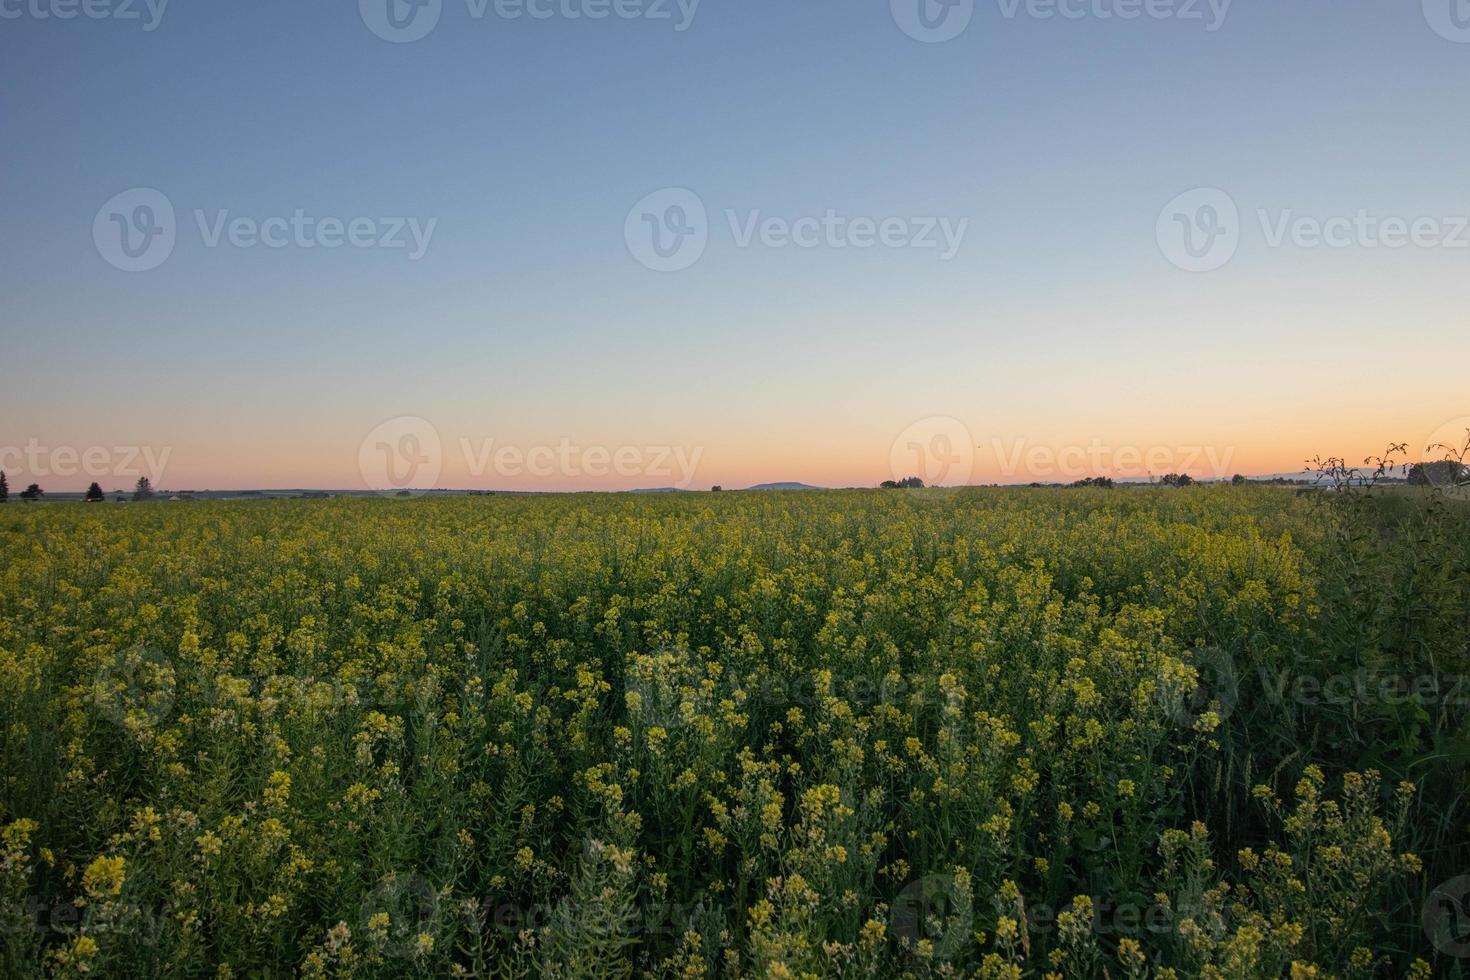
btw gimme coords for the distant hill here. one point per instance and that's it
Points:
(784, 486)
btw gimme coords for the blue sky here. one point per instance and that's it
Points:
(528, 319)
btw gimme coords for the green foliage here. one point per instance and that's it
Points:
(978, 732)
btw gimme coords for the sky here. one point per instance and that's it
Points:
(607, 244)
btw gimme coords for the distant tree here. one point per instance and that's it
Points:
(1441, 473)
(143, 490)
(1238, 480)
(94, 494)
(888, 485)
(4, 489)
(1178, 480)
(717, 489)
(1097, 482)
(32, 493)
(907, 483)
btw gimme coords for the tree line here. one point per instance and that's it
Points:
(142, 490)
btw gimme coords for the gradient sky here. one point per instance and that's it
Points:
(1059, 323)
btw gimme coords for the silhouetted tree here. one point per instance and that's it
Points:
(4, 489)
(1441, 473)
(717, 489)
(32, 493)
(143, 490)
(1178, 480)
(1238, 480)
(94, 494)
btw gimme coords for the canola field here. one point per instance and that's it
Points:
(1217, 732)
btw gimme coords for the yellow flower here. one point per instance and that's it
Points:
(17, 835)
(104, 876)
(277, 790)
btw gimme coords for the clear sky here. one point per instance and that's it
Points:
(1056, 318)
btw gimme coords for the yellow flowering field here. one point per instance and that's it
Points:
(996, 733)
